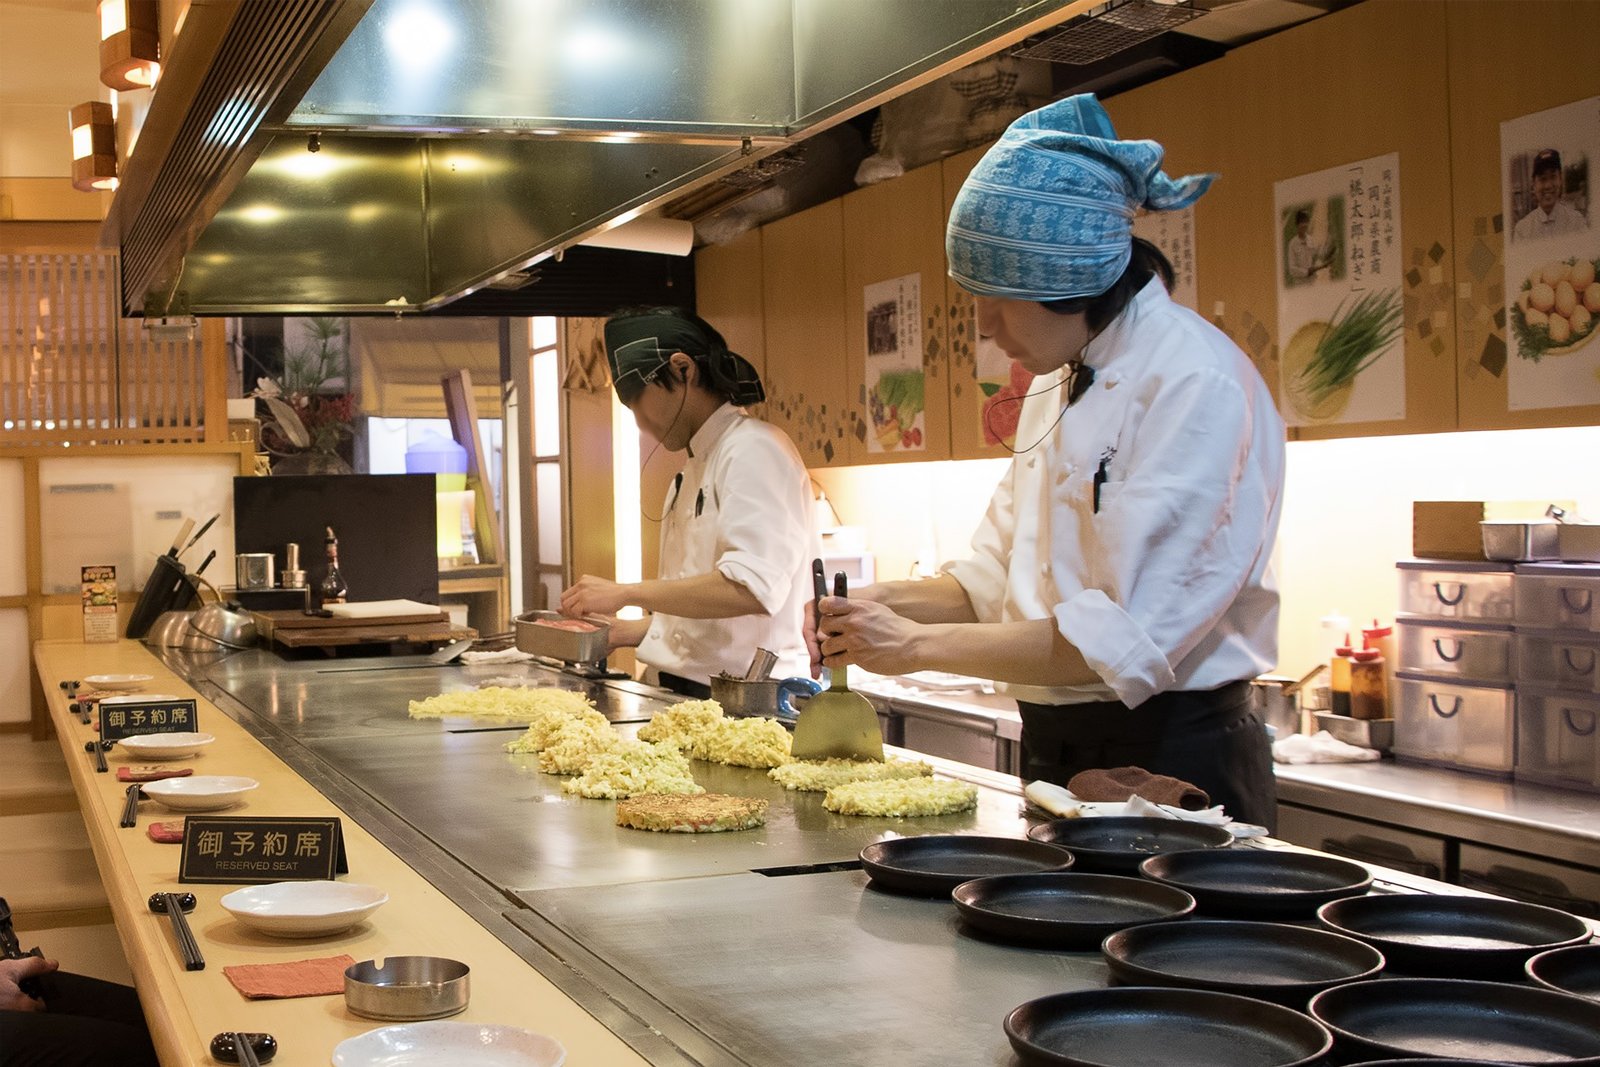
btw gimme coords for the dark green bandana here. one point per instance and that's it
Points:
(639, 344)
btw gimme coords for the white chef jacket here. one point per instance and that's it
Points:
(1562, 219)
(1168, 586)
(742, 508)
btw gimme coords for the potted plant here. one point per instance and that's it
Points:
(306, 424)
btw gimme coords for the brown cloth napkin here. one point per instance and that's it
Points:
(1120, 783)
(302, 978)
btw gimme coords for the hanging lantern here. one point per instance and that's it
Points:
(130, 41)
(94, 146)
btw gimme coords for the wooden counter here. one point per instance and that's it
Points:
(185, 1009)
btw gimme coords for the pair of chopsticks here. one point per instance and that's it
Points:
(99, 750)
(130, 807)
(188, 947)
(244, 1050)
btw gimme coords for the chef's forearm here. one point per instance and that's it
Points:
(704, 596)
(627, 633)
(935, 600)
(1028, 653)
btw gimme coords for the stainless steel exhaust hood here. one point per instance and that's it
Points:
(359, 156)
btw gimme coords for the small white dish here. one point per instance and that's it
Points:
(200, 792)
(303, 909)
(165, 746)
(118, 683)
(136, 698)
(460, 1044)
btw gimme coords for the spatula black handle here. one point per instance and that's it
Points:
(841, 588)
(819, 579)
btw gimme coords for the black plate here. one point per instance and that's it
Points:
(1117, 844)
(1136, 1027)
(1066, 910)
(1431, 1063)
(1284, 964)
(1445, 1017)
(1575, 969)
(1253, 883)
(935, 864)
(1451, 936)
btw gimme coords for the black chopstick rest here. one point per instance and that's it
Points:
(130, 807)
(228, 1047)
(173, 905)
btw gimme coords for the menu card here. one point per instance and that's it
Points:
(99, 586)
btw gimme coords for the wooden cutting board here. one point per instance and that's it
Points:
(295, 629)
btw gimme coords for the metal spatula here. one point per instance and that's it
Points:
(836, 722)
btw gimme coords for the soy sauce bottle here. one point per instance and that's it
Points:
(332, 588)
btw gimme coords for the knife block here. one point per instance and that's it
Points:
(169, 588)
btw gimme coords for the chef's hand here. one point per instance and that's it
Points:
(865, 633)
(808, 624)
(594, 596)
(13, 973)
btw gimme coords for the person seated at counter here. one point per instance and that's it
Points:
(1120, 582)
(76, 1021)
(737, 534)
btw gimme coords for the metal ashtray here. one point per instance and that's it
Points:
(406, 987)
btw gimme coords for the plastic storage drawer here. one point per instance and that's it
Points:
(1558, 738)
(1558, 596)
(1468, 591)
(1560, 659)
(1457, 650)
(1455, 723)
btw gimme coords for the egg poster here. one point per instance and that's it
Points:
(894, 377)
(1552, 253)
(1341, 323)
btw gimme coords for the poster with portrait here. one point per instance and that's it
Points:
(1341, 336)
(1552, 251)
(1173, 233)
(894, 377)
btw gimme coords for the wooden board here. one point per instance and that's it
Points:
(367, 634)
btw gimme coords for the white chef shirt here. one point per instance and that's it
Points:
(1168, 586)
(1563, 218)
(742, 508)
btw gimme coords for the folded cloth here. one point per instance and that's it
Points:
(1320, 747)
(1120, 783)
(504, 655)
(301, 978)
(1051, 798)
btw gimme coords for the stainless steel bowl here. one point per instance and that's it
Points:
(407, 987)
(227, 624)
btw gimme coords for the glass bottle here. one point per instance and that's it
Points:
(333, 587)
(1369, 697)
(1340, 677)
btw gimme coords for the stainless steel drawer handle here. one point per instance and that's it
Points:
(1588, 598)
(1438, 646)
(1570, 716)
(1461, 592)
(1433, 702)
(1566, 657)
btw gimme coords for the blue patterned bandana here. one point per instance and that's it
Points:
(1047, 214)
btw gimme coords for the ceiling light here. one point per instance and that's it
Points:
(94, 146)
(130, 43)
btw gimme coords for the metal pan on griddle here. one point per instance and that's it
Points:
(1438, 1017)
(1454, 936)
(1574, 969)
(1284, 964)
(1117, 844)
(935, 864)
(1255, 883)
(1140, 1027)
(1068, 910)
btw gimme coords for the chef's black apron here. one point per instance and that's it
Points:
(1208, 737)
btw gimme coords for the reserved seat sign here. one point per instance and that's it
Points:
(225, 849)
(130, 718)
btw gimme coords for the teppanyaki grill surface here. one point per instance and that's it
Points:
(1575, 969)
(1451, 936)
(1117, 844)
(935, 864)
(1444, 1017)
(1068, 910)
(1285, 964)
(1136, 1027)
(1253, 883)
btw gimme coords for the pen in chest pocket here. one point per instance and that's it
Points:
(1101, 473)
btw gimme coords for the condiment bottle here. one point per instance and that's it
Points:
(332, 587)
(1382, 639)
(1369, 694)
(1339, 675)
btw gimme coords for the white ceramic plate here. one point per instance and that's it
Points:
(165, 746)
(303, 909)
(118, 683)
(138, 698)
(200, 792)
(457, 1044)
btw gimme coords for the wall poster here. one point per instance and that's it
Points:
(1340, 314)
(1551, 255)
(1173, 233)
(894, 376)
